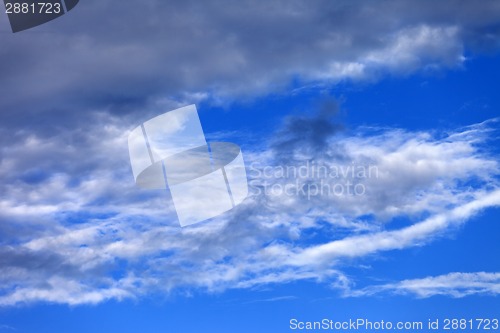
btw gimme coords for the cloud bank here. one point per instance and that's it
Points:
(112, 54)
(77, 231)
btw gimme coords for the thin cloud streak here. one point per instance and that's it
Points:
(417, 234)
(456, 285)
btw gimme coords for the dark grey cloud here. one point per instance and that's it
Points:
(309, 137)
(124, 56)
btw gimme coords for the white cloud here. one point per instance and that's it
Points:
(455, 285)
(61, 290)
(84, 234)
(418, 234)
(422, 47)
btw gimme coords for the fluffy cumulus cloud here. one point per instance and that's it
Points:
(76, 230)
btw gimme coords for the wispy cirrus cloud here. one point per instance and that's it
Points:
(455, 285)
(7, 328)
(84, 234)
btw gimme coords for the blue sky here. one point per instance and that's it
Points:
(408, 87)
